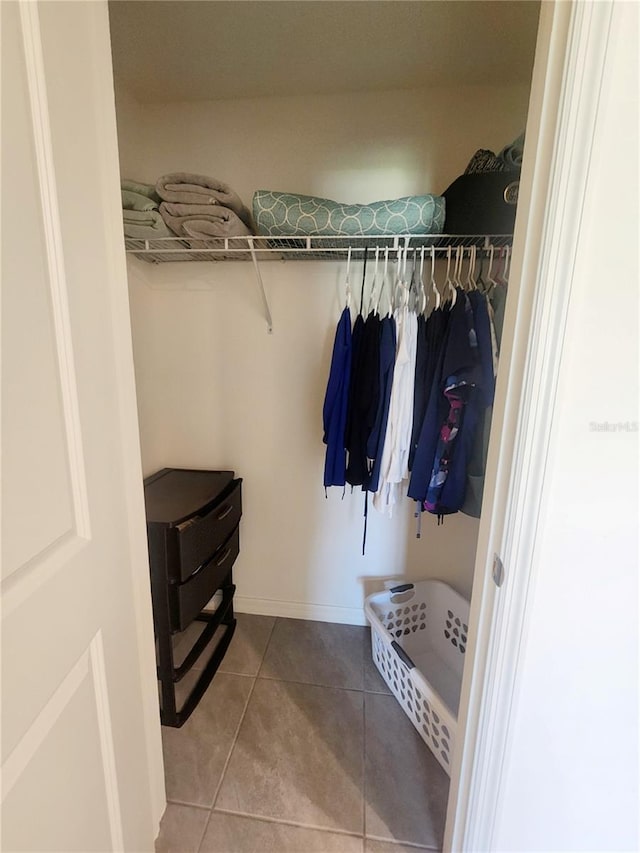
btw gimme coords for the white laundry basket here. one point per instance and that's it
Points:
(419, 638)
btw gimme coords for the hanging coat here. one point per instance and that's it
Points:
(334, 410)
(468, 392)
(363, 399)
(395, 453)
(387, 359)
(431, 336)
(477, 456)
(420, 391)
(458, 353)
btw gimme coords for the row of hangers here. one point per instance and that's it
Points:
(455, 278)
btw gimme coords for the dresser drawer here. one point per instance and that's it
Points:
(188, 599)
(201, 535)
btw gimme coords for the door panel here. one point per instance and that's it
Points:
(66, 734)
(75, 737)
(35, 471)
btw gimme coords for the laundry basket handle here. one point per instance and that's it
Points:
(404, 657)
(403, 587)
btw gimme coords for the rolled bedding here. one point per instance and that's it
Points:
(203, 221)
(186, 188)
(278, 214)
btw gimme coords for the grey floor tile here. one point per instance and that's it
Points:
(371, 846)
(228, 833)
(181, 829)
(316, 653)
(245, 652)
(195, 755)
(373, 681)
(248, 645)
(405, 788)
(298, 757)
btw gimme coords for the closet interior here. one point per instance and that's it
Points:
(233, 336)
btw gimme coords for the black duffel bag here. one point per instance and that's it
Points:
(482, 203)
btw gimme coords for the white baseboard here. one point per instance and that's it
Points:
(300, 610)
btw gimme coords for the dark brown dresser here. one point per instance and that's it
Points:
(193, 533)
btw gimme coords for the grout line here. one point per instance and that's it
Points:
(235, 737)
(233, 744)
(284, 822)
(188, 805)
(204, 832)
(310, 683)
(266, 646)
(226, 763)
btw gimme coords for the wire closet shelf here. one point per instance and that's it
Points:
(304, 248)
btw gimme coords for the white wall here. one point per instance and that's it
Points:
(130, 136)
(216, 391)
(572, 776)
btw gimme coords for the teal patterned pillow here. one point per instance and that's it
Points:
(281, 214)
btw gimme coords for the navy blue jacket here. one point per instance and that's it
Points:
(334, 410)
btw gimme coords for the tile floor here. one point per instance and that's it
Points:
(298, 747)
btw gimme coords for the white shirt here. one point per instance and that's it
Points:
(395, 452)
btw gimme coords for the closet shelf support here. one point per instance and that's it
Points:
(263, 294)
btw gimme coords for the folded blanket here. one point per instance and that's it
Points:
(187, 188)
(141, 189)
(144, 225)
(281, 214)
(136, 201)
(203, 220)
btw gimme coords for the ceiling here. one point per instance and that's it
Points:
(191, 50)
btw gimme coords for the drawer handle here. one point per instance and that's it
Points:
(225, 513)
(224, 557)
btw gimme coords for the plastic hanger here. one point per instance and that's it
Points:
(347, 282)
(499, 274)
(452, 292)
(413, 287)
(384, 280)
(457, 270)
(459, 281)
(373, 303)
(481, 284)
(434, 288)
(364, 278)
(399, 288)
(422, 304)
(471, 285)
(507, 266)
(491, 282)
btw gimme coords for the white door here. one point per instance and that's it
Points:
(80, 729)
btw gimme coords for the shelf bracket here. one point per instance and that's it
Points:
(265, 301)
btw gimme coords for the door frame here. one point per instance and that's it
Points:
(109, 181)
(571, 54)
